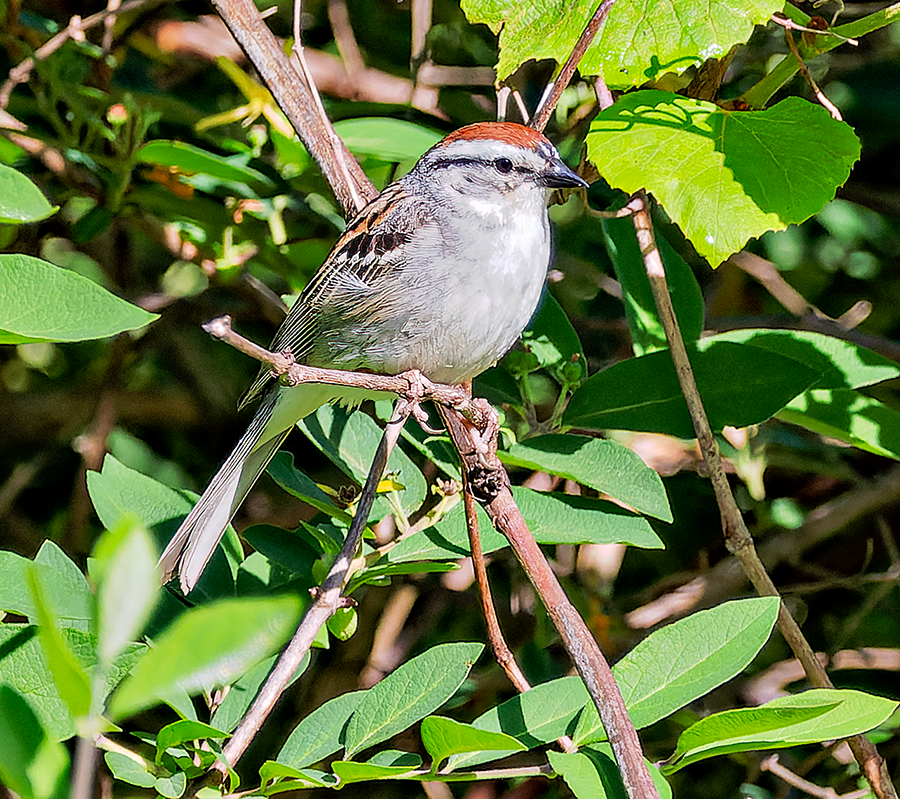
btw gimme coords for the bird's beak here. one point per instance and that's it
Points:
(558, 176)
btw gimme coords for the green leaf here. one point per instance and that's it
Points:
(208, 646)
(410, 693)
(740, 385)
(443, 737)
(605, 466)
(41, 302)
(589, 775)
(292, 778)
(647, 334)
(20, 200)
(551, 518)
(129, 770)
(683, 661)
(32, 763)
(70, 677)
(848, 416)
(320, 734)
(188, 159)
(180, 732)
(724, 176)
(65, 589)
(349, 441)
(592, 773)
(349, 772)
(552, 339)
(821, 714)
(842, 363)
(127, 588)
(638, 43)
(171, 787)
(283, 471)
(386, 138)
(117, 490)
(541, 715)
(24, 667)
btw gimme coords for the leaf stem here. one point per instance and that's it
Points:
(758, 95)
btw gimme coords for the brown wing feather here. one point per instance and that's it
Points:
(380, 228)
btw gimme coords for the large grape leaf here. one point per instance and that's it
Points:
(638, 43)
(724, 176)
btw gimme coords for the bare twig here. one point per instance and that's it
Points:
(346, 43)
(820, 95)
(771, 764)
(542, 115)
(490, 485)
(298, 59)
(84, 769)
(75, 29)
(502, 653)
(779, 19)
(412, 385)
(737, 538)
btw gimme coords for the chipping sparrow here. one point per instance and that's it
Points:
(441, 272)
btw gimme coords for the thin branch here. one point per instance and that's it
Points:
(298, 59)
(490, 485)
(789, 24)
(542, 115)
(412, 385)
(502, 653)
(820, 95)
(297, 103)
(347, 46)
(328, 598)
(771, 764)
(737, 537)
(75, 29)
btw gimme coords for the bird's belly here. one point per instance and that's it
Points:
(451, 324)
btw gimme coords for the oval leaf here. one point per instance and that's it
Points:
(410, 693)
(20, 199)
(685, 660)
(740, 385)
(443, 737)
(606, 466)
(724, 176)
(208, 646)
(386, 138)
(188, 159)
(822, 714)
(42, 302)
(842, 363)
(320, 734)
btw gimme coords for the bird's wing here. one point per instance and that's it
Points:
(371, 245)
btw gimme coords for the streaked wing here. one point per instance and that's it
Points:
(370, 246)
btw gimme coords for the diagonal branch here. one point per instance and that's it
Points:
(737, 537)
(542, 115)
(340, 169)
(490, 485)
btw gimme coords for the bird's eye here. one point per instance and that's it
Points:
(503, 165)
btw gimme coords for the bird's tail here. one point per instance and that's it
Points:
(195, 541)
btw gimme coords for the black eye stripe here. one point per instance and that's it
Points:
(443, 163)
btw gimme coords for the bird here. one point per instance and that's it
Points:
(441, 272)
